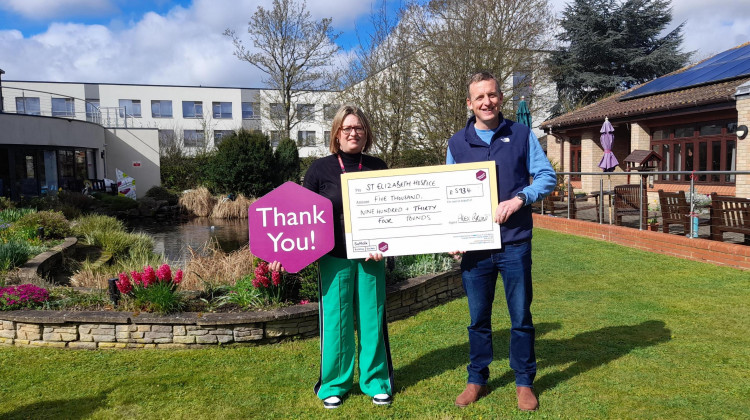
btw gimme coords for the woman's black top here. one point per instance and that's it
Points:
(324, 177)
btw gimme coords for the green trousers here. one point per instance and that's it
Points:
(352, 295)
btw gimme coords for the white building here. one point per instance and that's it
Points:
(131, 122)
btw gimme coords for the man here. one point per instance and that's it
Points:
(518, 157)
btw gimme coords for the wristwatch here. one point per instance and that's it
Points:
(521, 196)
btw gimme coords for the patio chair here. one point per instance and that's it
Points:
(628, 202)
(674, 210)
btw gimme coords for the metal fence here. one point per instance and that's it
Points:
(606, 190)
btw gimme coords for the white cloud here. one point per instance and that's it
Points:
(57, 9)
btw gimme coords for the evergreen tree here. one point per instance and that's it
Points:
(243, 163)
(611, 46)
(287, 161)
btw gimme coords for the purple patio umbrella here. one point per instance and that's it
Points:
(609, 161)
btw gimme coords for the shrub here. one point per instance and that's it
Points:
(243, 163)
(23, 296)
(287, 162)
(5, 203)
(55, 225)
(116, 202)
(153, 290)
(11, 215)
(95, 222)
(308, 283)
(181, 172)
(13, 254)
(243, 294)
(162, 194)
(408, 266)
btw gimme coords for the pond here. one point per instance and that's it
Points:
(174, 240)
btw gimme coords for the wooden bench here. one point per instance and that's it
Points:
(675, 210)
(628, 202)
(729, 214)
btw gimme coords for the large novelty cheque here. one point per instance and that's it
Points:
(291, 225)
(421, 210)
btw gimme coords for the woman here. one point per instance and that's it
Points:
(349, 288)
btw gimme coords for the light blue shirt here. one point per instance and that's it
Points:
(539, 167)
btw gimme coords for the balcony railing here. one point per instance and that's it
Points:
(36, 102)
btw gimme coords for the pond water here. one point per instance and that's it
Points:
(174, 240)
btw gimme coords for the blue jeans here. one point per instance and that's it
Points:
(479, 271)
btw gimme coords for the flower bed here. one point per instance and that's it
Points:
(111, 329)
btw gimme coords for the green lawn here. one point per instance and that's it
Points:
(621, 333)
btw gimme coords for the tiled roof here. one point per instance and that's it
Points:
(615, 109)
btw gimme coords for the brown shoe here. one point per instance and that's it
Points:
(526, 399)
(471, 394)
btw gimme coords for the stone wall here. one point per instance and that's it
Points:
(122, 330)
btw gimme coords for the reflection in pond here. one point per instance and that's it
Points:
(173, 240)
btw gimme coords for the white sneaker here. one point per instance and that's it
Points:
(332, 402)
(382, 399)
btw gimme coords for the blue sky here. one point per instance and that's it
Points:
(180, 41)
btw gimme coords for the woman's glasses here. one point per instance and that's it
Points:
(347, 130)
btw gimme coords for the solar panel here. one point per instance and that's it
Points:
(723, 66)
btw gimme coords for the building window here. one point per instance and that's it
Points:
(708, 146)
(92, 111)
(275, 138)
(194, 138)
(329, 111)
(220, 135)
(326, 137)
(305, 138)
(305, 112)
(130, 107)
(28, 106)
(192, 109)
(161, 109)
(222, 109)
(250, 110)
(63, 107)
(276, 111)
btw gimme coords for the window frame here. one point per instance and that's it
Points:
(161, 113)
(194, 106)
(222, 111)
(133, 102)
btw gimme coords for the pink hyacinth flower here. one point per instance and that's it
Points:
(124, 285)
(149, 276)
(178, 276)
(261, 269)
(137, 278)
(276, 278)
(304, 302)
(256, 282)
(164, 273)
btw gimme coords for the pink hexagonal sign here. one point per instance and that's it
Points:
(292, 225)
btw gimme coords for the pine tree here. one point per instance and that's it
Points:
(612, 46)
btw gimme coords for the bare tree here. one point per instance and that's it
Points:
(380, 79)
(415, 70)
(292, 49)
